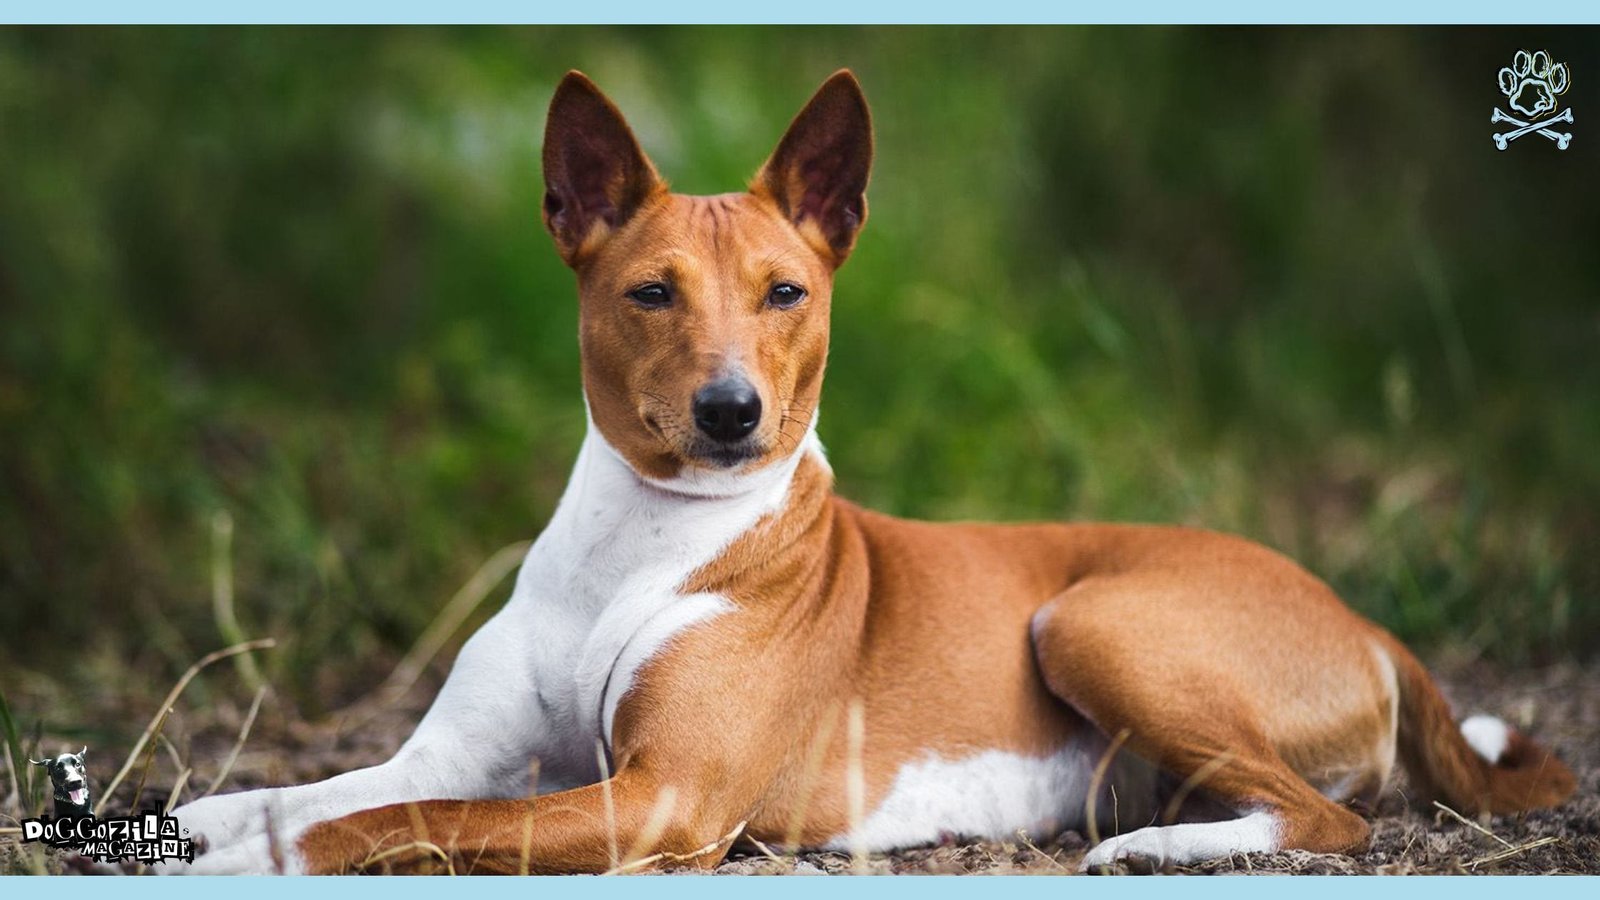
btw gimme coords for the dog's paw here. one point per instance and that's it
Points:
(215, 822)
(1154, 847)
(256, 855)
(1138, 852)
(259, 855)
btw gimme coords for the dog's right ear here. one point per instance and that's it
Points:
(595, 175)
(41, 762)
(818, 174)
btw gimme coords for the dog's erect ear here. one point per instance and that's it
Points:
(595, 175)
(818, 174)
(84, 752)
(41, 762)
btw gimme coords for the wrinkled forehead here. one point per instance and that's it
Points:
(679, 238)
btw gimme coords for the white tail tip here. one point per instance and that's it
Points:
(1487, 735)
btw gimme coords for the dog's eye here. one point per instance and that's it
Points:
(785, 295)
(651, 296)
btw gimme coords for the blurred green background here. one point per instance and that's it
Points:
(1273, 281)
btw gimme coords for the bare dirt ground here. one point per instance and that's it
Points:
(1560, 705)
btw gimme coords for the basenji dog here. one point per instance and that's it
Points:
(69, 782)
(706, 643)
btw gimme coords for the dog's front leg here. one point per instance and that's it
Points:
(476, 741)
(634, 821)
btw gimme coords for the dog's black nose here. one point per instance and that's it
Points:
(727, 409)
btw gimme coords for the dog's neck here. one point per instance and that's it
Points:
(616, 533)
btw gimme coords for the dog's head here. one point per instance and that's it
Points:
(68, 777)
(704, 320)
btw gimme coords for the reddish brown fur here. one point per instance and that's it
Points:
(641, 366)
(1201, 646)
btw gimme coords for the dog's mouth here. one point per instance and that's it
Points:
(724, 456)
(78, 795)
(703, 451)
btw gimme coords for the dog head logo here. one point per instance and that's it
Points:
(70, 781)
(1532, 85)
(148, 837)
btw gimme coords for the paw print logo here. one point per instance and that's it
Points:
(1532, 84)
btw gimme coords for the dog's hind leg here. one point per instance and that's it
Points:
(1186, 707)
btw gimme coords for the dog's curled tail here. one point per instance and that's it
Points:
(1482, 765)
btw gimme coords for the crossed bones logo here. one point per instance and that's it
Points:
(1531, 85)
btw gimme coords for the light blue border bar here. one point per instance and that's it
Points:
(689, 887)
(807, 11)
(920, 887)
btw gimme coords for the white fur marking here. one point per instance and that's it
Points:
(1487, 735)
(1191, 842)
(994, 793)
(648, 640)
(989, 795)
(1388, 742)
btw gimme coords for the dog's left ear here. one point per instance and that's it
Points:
(84, 752)
(818, 174)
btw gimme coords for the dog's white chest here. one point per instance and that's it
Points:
(599, 594)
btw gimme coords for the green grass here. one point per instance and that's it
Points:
(1269, 281)
(21, 774)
